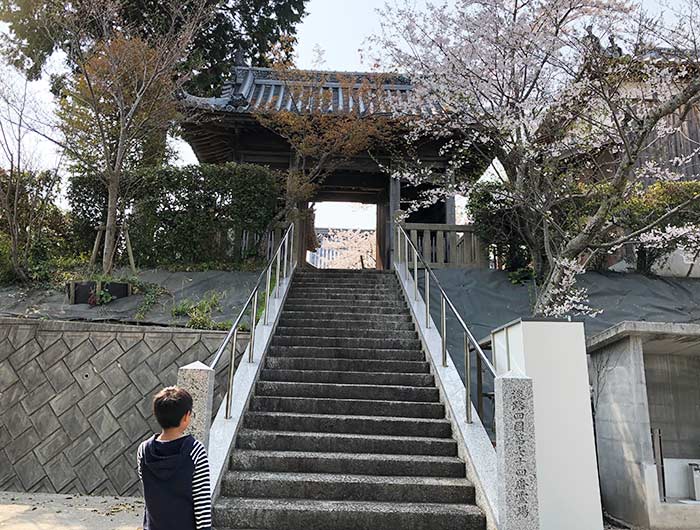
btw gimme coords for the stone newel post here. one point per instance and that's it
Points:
(198, 379)
(515, 448)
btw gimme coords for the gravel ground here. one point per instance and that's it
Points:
(43, 511)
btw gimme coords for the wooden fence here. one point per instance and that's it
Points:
(448, 246)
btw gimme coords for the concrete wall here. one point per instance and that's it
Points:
(673, 390)
(622, 428)
(75, 400)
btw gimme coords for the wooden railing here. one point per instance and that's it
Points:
(448, 246)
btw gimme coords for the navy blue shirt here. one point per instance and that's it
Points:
(175, 477)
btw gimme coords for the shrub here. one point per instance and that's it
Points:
(193, 214)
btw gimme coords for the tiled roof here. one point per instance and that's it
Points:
(257, 89)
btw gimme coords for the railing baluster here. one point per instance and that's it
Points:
(415, 274)
(443, 327)
(479, 388)
(277, 274)
(427, 298)
(468, 378)
(251, 352)
(267, 294)
(231, 368)
(405, 255)
(286, 255)
(291, 245)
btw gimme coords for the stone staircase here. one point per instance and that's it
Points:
(346, 430)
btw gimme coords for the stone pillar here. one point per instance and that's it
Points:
(515, 448)
(198, 379)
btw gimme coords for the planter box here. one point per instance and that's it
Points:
(80, 292)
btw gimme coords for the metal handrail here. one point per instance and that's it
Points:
(444, 301)
(287, 242)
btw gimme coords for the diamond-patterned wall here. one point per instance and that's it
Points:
(75, 400)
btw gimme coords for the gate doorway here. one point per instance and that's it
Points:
(346, 236)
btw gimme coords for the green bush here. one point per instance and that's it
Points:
(199, 313)
(7, 274)
(192, 214)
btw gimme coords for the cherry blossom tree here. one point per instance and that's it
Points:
(577, 126)
(355, 249)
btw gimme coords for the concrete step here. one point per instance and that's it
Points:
(362, 407)
(384, 343)
(323, 486)
(347, 463)
(313, 287)
(352, 365)
(348, 272)
(325, 312)
(330, 390)
(329, 352)
(340, 319)
(324, 304)
(348, 378)
(346, 332)
(288, 514)
(348, 424)
(345, 283)
(390, 295)
(344, 443)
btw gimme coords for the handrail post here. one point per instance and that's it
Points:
(277, 273)
(427, 298)
(443, 326)
(286, 255)
(415, 274)
(479, 388)
(267, 295)
(231, 368)
(405, 256)
(397, 247)
(468, 378)
(252, 326)
(291, 244)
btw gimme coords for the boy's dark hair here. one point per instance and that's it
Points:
(170, 405)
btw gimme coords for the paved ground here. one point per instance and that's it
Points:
(42, 511)
(39, 511)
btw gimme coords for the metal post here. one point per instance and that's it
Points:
(267, 295)
(415, 274)
(286, 255)
(427, 298)
(231, 369)
(397, 247)
(277, 277)
(443, 326)
(657, 448)
(291, 244)
(479, 387)
(468, 378)
(405, 256)
(251, 351)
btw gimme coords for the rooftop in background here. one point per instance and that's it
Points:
(254, 89)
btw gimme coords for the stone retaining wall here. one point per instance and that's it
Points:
(75, 400)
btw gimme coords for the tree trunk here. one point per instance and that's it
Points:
(111, 225)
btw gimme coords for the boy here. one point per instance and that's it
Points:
(174, 468)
